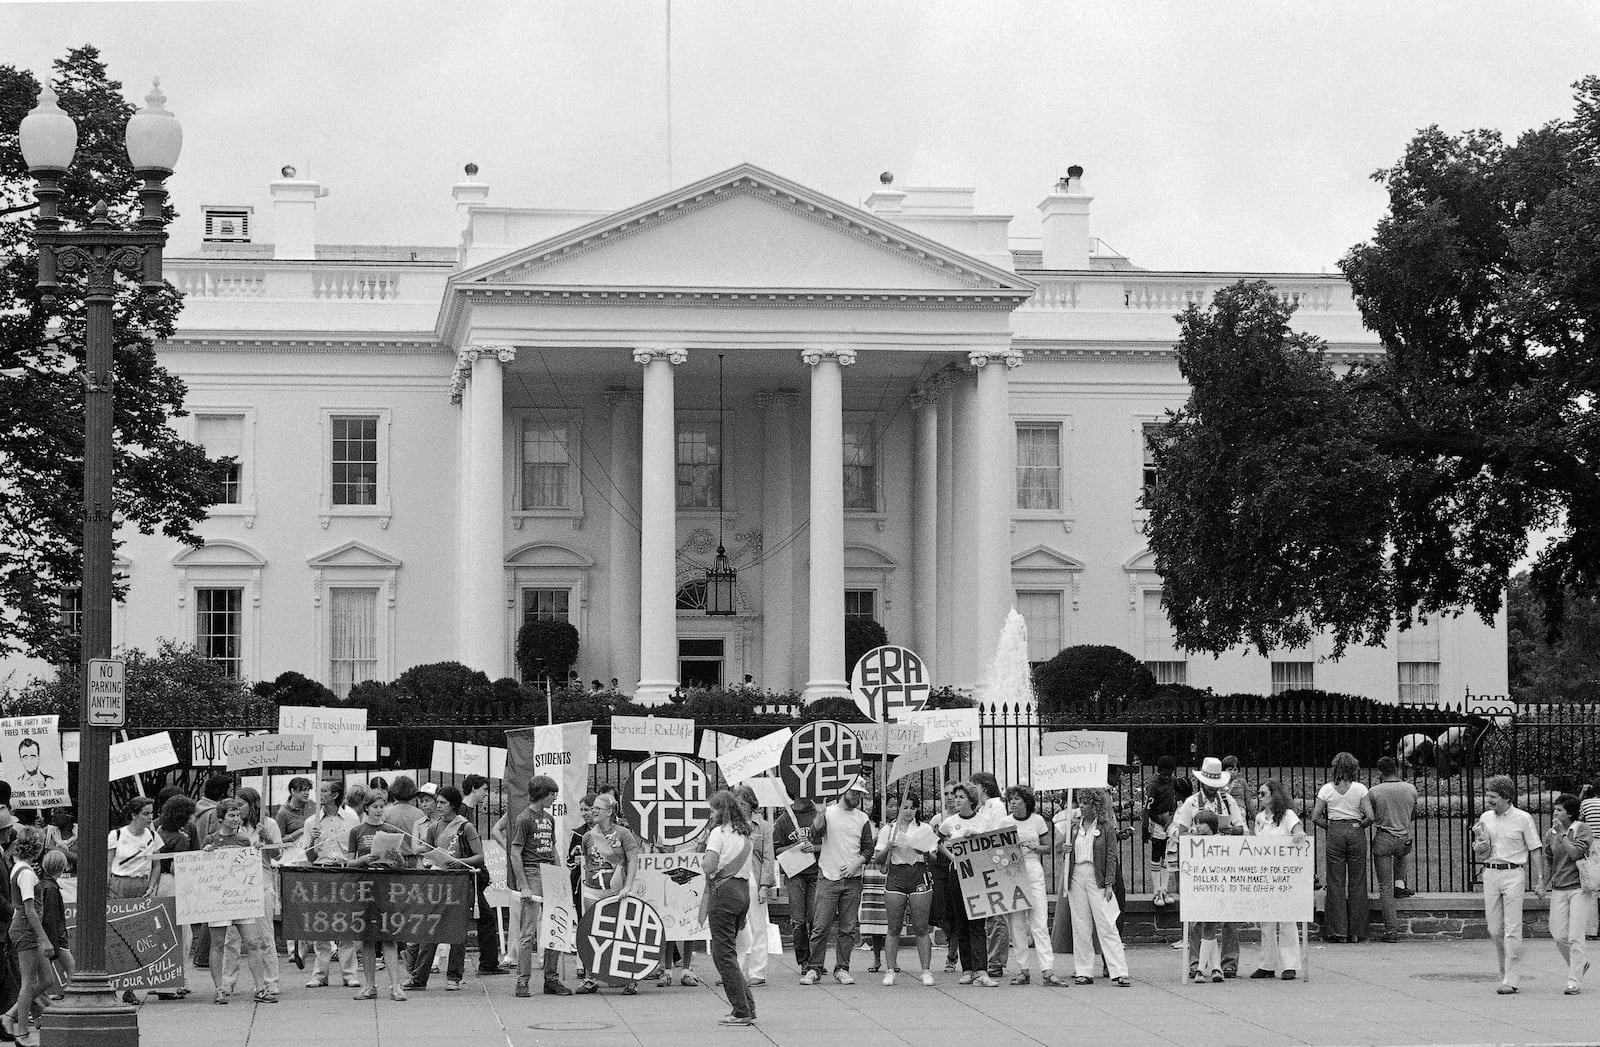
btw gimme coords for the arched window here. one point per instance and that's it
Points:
(692, 596)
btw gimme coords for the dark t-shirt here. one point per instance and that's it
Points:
(535, 832)
(361, 838)
(52, 911)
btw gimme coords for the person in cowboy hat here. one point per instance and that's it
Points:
(1211, 794)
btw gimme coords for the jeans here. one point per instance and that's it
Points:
(1391, 857)
(1570, 909)
(802, 891)
(528, 939)
(730, 903)
(1502, 911)
(232, 948)
(321, 967)
(1347, 904)
(997, 943)
(488, 935)
(837, 901)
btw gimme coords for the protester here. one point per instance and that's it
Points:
(403, 815)
(1239, 789)
(293, 812)
(1033, 834)
(763, 881)
(10, 976)
(218, 787)
(1092, 851)
(533, 848)
(1394, 806)
(362, 855)
(229, 833)
(1344, 812)
(1568, 843)
(174, 835)
(1207, 951)
(263, 835)
(946, 892)
(610, 859)
(33, 947)
(843, 836)
(997, 929)
(475, 800)
(971, 942)
(1506, 841)
(1159, 805)
(327, 836)
(456, 846)
(1211, 795)
(128, 852)
(61, 834)
(792, 832)
(575, 845)
(1280, 942)
(905, 847)
(726, 901)
(53, 913)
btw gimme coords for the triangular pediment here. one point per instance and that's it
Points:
(1044, 558)
(353, 554)
(745, 229)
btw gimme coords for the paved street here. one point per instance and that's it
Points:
(1434, 993)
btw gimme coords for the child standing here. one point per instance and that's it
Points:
(33, 949)
(1205, 824)
(360, 851)
(53, 913)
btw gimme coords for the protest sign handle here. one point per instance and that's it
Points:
(1305, 952)
(1183, 955)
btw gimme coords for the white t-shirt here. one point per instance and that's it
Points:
(994, 815)
(1265, 826)
(1030, 831)
(955, 826)
(727, 845)
(909, 845)
(133, 853)
(1513, 835)
(1346, 805)
(27, 880)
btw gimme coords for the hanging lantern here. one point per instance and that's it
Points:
(721, 579)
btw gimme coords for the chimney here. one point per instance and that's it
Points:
(887, 200)
(294, 216)
(1065, 223)
(468, 193)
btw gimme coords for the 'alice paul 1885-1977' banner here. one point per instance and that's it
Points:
(373, 905)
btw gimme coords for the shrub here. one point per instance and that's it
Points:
(860, 636)
(1089, 671)
(546, 649)
(292, 688)
(172, 687)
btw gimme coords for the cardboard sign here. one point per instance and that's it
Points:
(138, 755)
(326, 726)
(220, 886)
(672, 884)
(271, 750)
(769, 791)
(210, 748)
(888, 681)
(958, 725)
(377, 905)
(753, 758)
(993, 880)
(652, 734)
(1245, 878)
(820, 760)
(142, 950)
(929, 756)
(890, 739)
(558, 918)
(463, 758)
(714, 744)
(1111, 744)
(1086, 771)
(363, 748)
(669, 800)
(30, 759)
(620, 939)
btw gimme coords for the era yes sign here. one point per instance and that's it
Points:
(820, 760)
(670, 796)
(888, 681)
(620, 938)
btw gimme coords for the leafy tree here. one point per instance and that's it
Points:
(295, 689)
(173, 687)
(546, 649)
(1293, 498)
(860, 636)
(162, 481)
(1546, 670)
(1089, 671)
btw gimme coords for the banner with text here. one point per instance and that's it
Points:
(993, 880)
(668, 799)
(1245, 879)
(210, 748)
(1087, 771)
(929, 756)
(31, 760)
(1111, 744)
(558, 918)
(220, 886)
(560, 751)
(752, 758)
(138, 755)
(652, 734)
(142, 951)
(271, 750)
(373, 905)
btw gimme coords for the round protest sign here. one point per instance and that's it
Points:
(820, 760)
(888, 681)
(668, 799)
(620, 938)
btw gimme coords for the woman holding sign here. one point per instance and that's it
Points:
(264, 836)
(366, 849)
(1033, 833)
(230, 823)
(1280, 942)
(1093, 853)
(969, 933)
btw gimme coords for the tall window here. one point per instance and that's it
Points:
(219, 627)
(1042, 612)
(353, 638)
(355, 460)
(861, 603)
(1418, 662)
(1038, 465)
(546, 605)
(222, 436)
(1148, 443)
(699, 466)
(72, 612)
(1293, 676)
(1161, 654)
(860, 466)
(546, 465)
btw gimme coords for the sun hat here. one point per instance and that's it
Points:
(1212, 775)
(430, 788)
(858, 785)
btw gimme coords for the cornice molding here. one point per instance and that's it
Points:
(721, 297)
(300, 344)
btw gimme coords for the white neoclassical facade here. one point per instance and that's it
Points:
(925, 419)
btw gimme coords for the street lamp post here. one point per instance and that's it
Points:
(90, 1015)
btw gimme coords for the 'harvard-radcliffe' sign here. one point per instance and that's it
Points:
(820, 760)
(670, 796)
(888, 681)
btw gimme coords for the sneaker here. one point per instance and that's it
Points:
(453, 985)
(1177, 944)
(755, 981)
(522, 988)
(1262, 972)
(589, 986)
(966, 978)
(1198, 978)
(317, 983)
(485, 972)
(810, 977)
(951, 966)
(369, 993)
(888, 979)
(1216, 974)
(1570, 990)
(553, 987)
(927, 978)
(985, 981)
(1506, 990)
(842, 976)
(1289, 975)
(734, 1019)
(397, 994)
(665, 980)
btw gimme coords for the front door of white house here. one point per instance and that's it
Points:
(701, 661)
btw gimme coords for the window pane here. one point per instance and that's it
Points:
(1042, 612)
(860, 466)
(72, 612)
(549, 605)
(699, 462)
(1038, 466)
(861, 603)
(1420, 643)
(1148, 480)
(546, 466)
(355, 461)
(218, 628)
(1169, 672)
(1419, 682)
(222, 436)
(353, 638)
(1292, 676)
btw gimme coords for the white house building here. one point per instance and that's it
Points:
(924, 421)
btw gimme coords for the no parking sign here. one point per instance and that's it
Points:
(888, 681)
(820, 760)
(670, 796)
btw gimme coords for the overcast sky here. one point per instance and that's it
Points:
(1225, 136)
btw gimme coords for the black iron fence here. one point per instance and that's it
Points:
(1448, 756)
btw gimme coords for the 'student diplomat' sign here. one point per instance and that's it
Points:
(670, 797)
(993, 878)
(888, 681)
(672, 884)
(142, 951)
(820, 760)
(377, 905)
(1245, 879)
(620, 939)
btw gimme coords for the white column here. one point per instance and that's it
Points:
(825, 675)
(925, 524)
(944, 668)
(658, 539)
(623, 568)
(483, 633)
(777, 522)
(991, 440)
(964, 651)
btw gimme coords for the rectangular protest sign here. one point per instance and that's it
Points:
(561, 751)
(558, 919)
(672, 884)
(890, 739)
(755, 757)
(142, 950)
(219, 886)
(362, 748)
(210, 748)
(929, 756)
(377, 905)
(652, 734)
(993, 880)
(1111, 744)
(1087, 771)
(30, 759)
(958, 725)
(714, 743)
(464, 758)
(138, 755)
(326, 726)
(271, 750)
(1245, 879)
(770, 792)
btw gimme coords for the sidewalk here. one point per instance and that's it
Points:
(1432, 993)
